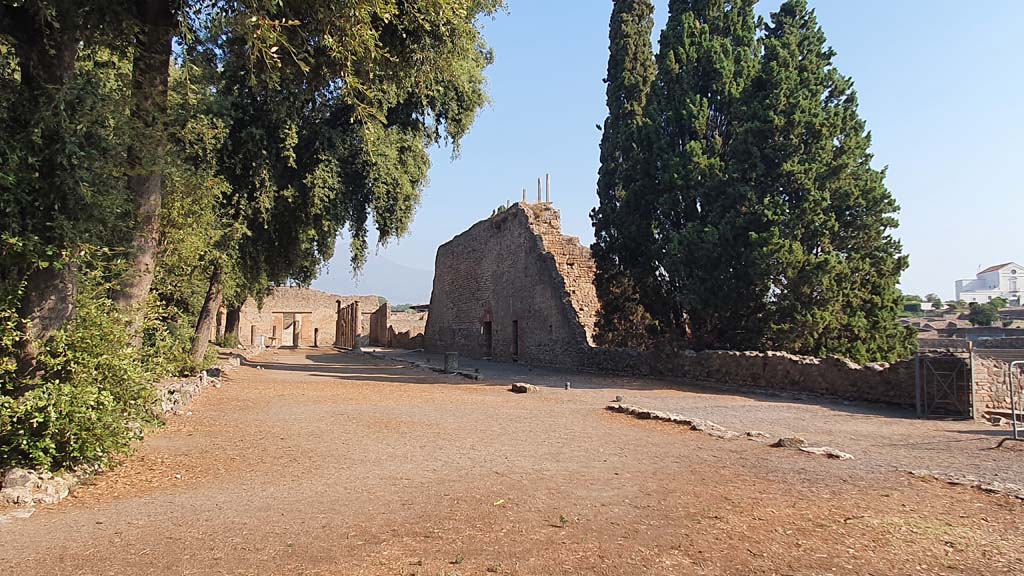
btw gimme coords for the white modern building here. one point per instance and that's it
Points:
(1002, 280)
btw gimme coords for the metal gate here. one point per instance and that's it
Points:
(945, 383)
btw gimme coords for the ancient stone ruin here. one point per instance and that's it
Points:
(298, 317)
(512, 287)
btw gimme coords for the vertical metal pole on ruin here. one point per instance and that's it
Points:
(539, 198)
(547, 188)
(524, 195)
(970, 352)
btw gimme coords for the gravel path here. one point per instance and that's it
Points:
(335, 464)
(881, 438)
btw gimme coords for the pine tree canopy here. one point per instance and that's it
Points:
(770, 229)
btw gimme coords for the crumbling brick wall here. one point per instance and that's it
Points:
(379, 321)
(405, 329)
(512, 287)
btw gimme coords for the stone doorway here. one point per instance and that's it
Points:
(289, 336)
(488, 331)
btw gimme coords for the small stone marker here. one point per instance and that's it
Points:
(451, 361)
(523, 388)
(568, 385)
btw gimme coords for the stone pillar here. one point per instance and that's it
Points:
(220, 325)
(252, 335)
(339, 326)
(306, 324)
(357, 325)
(278, 330)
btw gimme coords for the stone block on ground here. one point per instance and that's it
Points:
(826, 451)
(790, 442)
(523, 388)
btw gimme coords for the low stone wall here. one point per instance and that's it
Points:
(779, 371)
(404, 340)
(1011, 343)
(992, 384)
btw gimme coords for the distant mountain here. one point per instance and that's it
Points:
(398, 283)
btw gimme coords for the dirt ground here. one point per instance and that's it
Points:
(335, 464)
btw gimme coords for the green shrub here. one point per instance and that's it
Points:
(94, 394)
(229, 341)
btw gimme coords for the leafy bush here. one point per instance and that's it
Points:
(229, 341)
(167, 343)
(92, 398)
(983, 314)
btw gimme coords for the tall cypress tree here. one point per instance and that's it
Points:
(621, 233)
(706, 59)
(821, 217)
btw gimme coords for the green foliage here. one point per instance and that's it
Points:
(337, 130)
(621, 220)
(93, 399)
(229, 340)
(705, 62)
(61, 158)
(999, 303)
(769, 229)
(935, 301)
(286, 123)
(983, 314)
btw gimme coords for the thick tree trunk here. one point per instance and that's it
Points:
(234, 317)
(150, 75)
(208, 315)
(48, 303)
(46, 62)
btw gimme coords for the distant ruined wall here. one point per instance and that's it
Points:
(321, 307)
(512, 287)
(379, 320)
(405, 329)
(1008, 343)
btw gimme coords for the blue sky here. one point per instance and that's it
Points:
(940, 86)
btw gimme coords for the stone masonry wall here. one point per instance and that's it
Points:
(777, 371)
(405, 329)
(575, 265)
(992, 384)
(321, 307)
(515, 275)
(379, 320)
(1010, 343)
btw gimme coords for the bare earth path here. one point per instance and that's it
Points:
(330, 464)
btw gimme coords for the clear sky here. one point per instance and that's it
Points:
(940, 85)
